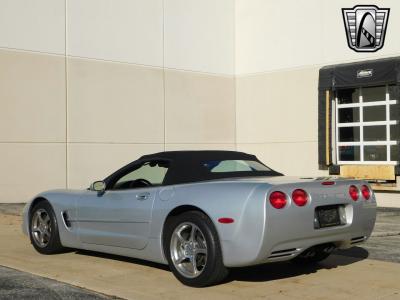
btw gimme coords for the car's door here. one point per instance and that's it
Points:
(121, 215)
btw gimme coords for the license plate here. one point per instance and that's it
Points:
(328, 216)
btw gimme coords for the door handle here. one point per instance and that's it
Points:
(142, 196)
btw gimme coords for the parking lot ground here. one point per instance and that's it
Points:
(345, 275)
(384, 243)
(21, 285)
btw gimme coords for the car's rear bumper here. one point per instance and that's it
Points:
(290, 249)
(287, 234)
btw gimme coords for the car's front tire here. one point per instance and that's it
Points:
(43, 229)
(193, 250)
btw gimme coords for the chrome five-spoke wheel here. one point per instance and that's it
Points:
(188, 250)
(192, 248)
(41, 227)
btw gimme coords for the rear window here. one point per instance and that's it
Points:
(225, 166)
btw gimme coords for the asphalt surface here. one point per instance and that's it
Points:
(15, 284)
(20, 285)
(384, 244)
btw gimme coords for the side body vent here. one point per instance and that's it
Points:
(66, 220)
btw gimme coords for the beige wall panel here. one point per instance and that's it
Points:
(32, 95)
(178, 147)
(91, 162)
(387, 199)
(114, 102)
(199, 108)
(293, 159)
(37, 25)
(119, 30)
(28, 169)
(273, 35)
(199, 35)
(277, 107)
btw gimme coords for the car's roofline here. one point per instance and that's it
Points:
(199, 155)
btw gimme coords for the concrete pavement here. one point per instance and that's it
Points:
(384, 244)
(21, 285)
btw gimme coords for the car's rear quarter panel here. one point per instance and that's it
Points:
(218, 200)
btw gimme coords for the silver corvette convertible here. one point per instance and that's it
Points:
(202, 212)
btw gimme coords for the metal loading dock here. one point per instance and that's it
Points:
(358, 121)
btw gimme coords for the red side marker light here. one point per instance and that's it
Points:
(226, 220)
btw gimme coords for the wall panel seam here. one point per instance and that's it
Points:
(153, 66)
(114, 143)
(226, 75)
(32, 142)
(163, 70)
(66, 92)
(312, 66)
(234, 78)
(11, 49)
(278, 142)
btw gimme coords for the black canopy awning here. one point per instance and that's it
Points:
(359, 74)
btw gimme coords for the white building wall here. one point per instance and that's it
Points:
(284, 35)
(280, 46)
(89, 85)
(32, 98)
(33, 25)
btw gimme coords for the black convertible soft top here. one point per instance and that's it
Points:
(200, 155)
(188, 166)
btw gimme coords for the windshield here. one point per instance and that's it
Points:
(225, 166)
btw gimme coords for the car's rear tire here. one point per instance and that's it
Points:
(43, 229)
(193, 250)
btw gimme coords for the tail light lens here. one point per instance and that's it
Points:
(300, 197)
(366, 192)
(278, 200)
(353, 192)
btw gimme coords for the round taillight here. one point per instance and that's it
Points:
(278, 200)
(365, 191)
(300, 197)
(353, 192)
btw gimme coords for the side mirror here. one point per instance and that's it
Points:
(98, 186)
